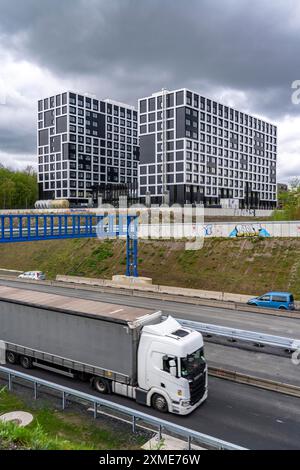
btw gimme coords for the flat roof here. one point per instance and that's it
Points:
(90, 308)
(256, 116)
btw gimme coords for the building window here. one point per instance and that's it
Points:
(179, 98)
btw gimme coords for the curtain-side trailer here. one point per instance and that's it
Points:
(125, 350)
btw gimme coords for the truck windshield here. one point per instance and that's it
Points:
(192, 364)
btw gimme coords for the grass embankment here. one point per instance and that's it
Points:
(249, 266)
(54, 430)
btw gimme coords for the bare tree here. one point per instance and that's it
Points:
(29, 170)
(295, 183)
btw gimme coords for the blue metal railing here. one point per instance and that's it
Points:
(31, 227)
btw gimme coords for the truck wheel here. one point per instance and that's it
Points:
(11, 357)
(160, 403)
(101, 385)
(282, 308)
(26, 362)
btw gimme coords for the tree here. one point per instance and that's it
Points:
(295, 183)
(29, 170)
(289, 201)
(8, 188)
(18, 189)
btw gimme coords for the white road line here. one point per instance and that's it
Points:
(117, 311)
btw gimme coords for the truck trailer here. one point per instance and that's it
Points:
(129, 351)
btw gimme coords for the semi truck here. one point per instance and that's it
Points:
(129, 351)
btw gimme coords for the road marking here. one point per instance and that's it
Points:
(117, 311)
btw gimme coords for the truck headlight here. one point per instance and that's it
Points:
(185, 403)
(179, 393)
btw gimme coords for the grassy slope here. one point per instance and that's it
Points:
(53, 429)
(244, 266)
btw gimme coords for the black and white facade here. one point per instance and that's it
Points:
(84, 142)
(200, 151)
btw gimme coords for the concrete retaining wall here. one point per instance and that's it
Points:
(252, 229)
(220, 230)
(237, 212)
(216, 212)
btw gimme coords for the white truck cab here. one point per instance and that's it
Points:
(172, 371)
(129, 351)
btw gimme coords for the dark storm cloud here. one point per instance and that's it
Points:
(14, 141)
(138, 46)
(244, 50)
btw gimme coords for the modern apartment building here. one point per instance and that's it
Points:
(197, 150)
(84, 142)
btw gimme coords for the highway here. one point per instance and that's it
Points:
(249, 417)
(252, 321)
(255, 363)
(240, 414)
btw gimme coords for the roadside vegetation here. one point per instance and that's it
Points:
(249, 265)
(18, 189)
(289, 202)
(52, 429)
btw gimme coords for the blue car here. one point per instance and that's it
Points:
(280, 300)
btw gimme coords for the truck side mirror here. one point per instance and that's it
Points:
(173, 368)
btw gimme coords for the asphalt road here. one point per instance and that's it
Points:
(251, 321)
(239, 359)
(243, 415)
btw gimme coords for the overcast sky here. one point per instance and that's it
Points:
(241, 52)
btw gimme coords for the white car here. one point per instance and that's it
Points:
(33, 275)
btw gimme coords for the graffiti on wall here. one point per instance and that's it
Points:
(244, 212)
(207, 230)
(249, 230)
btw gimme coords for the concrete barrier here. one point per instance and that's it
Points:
(236, 297)
(203, 294)
(145, 287)
(81, 280)
(259, 382)
(130, 280)
(10, 272)
(169, 290)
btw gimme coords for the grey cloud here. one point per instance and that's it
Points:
(288, 172)
(13, 141)
(127, 49)
(138, 44)
(17, 127)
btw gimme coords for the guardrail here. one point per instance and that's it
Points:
(259, 382)
(66, 392)
(257, 339)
